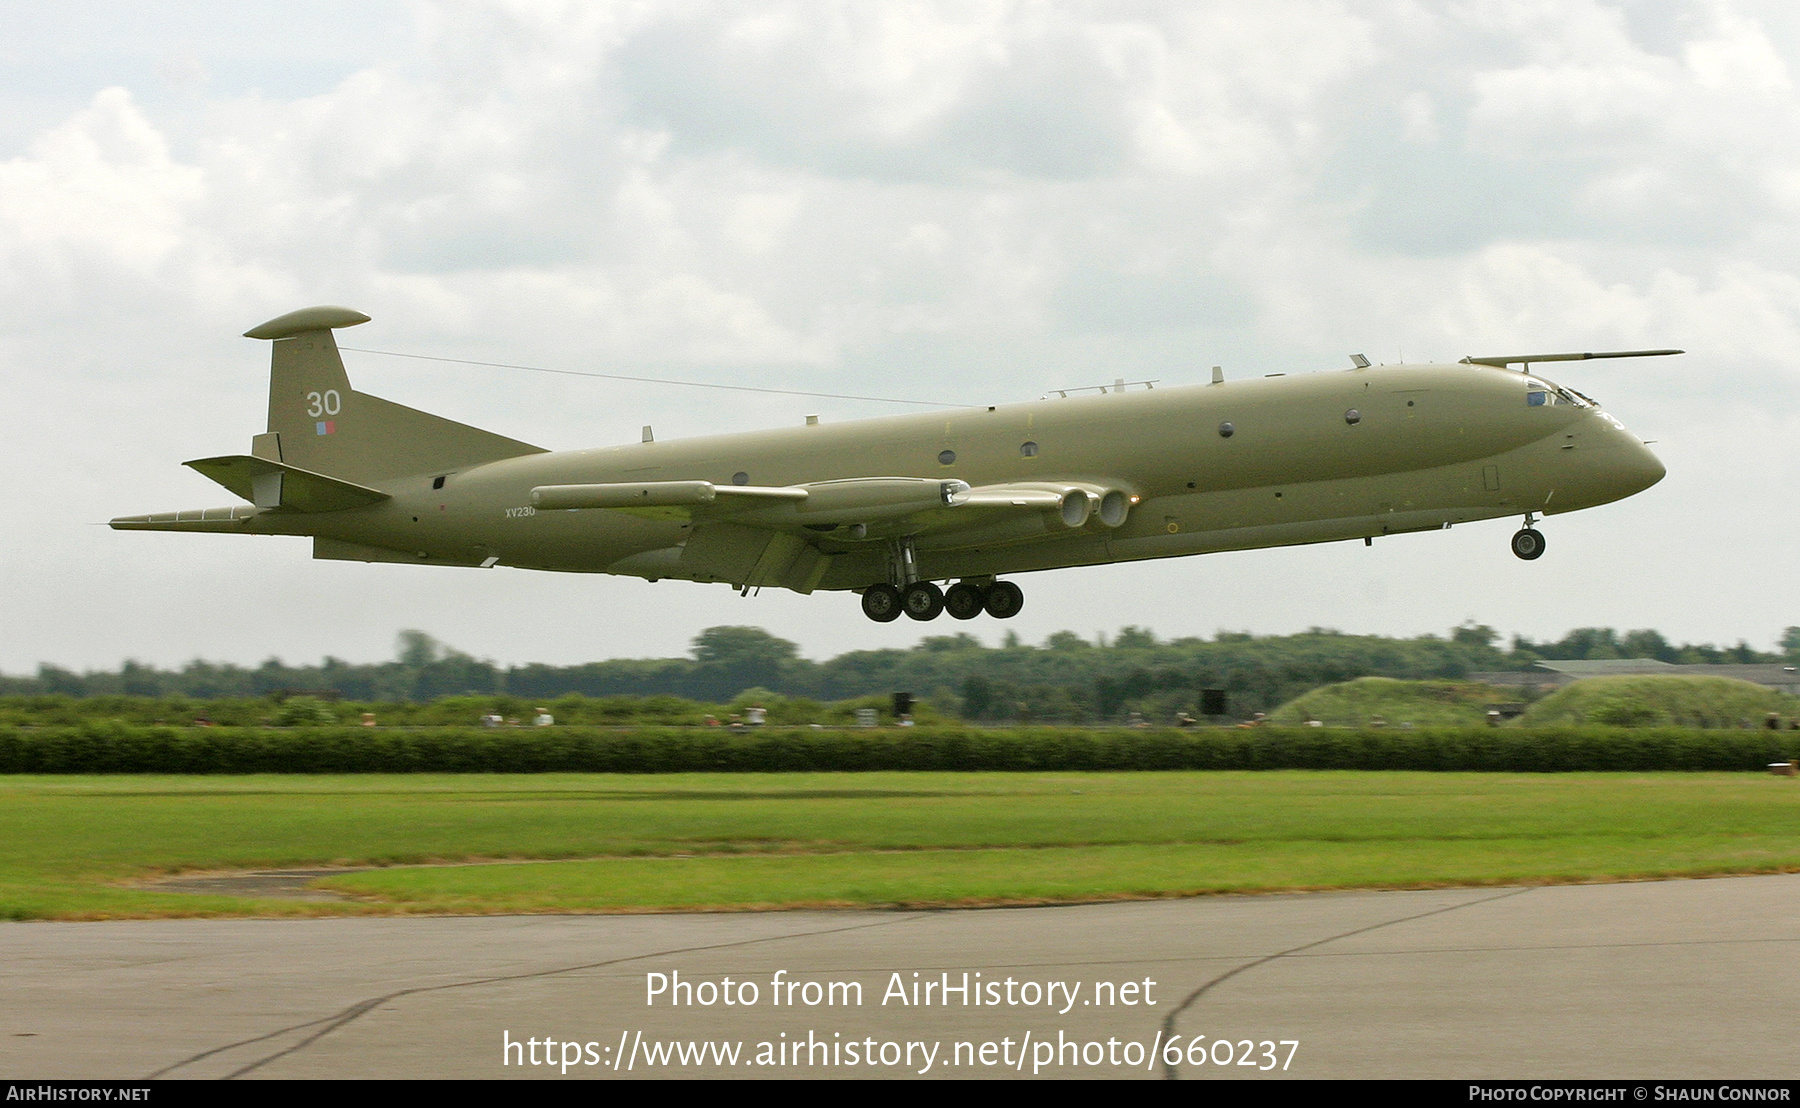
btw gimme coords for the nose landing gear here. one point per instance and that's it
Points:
(1528, 542)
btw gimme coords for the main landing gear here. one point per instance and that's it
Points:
(965, 600)
(881, 603)
(923, 600)
(1528, 542)
(903, 591)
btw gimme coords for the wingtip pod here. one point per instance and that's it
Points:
(325, 317)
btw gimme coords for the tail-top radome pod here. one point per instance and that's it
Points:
(317, 422)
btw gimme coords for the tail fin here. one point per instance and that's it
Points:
(318, 422)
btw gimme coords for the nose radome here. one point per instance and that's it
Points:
(1645, 468)
(1606, 464)
(1629, 466)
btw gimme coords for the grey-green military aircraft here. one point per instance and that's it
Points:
(890, 507)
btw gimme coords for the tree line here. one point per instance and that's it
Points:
(1065, 679)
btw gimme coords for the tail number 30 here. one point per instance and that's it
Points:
(326, 403)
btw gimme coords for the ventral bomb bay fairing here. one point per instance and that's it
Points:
(890, 508)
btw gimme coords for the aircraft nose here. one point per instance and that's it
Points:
(1641, 467)
(1608, 463)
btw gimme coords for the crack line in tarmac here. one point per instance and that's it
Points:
(356, 1011)
(1173, 1072)
(1410, 951)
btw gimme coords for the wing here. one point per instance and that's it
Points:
(788, 535)
(861, 507)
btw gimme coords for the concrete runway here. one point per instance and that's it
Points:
(1676, 979)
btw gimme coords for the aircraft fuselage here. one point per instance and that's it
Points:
(1269, 461)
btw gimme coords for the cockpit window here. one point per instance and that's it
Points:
(1542, 394)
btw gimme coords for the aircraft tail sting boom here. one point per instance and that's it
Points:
(890, 507)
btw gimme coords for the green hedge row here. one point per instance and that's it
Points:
(53, 710)
(109, 747)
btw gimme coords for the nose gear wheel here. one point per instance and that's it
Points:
(1528, 544)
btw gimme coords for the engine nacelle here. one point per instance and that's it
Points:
(1076, 506)
(1111, 507)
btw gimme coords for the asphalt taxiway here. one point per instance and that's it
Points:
(1673, 979)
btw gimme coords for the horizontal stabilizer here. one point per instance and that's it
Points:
(1502, 361)
(270, 484)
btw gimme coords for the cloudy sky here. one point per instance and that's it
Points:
(965, 202)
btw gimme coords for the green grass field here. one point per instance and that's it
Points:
(75, 847)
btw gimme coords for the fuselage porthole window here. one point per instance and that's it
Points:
(1028, 449)
(1226, 430)
(946, 457)
(740, 478)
